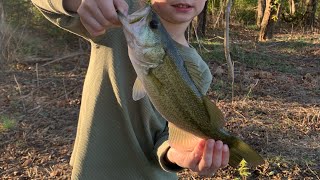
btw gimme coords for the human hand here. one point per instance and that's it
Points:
(205, 159)
(97, 15)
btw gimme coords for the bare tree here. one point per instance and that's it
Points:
(202, 21)
(197, 27)
(227, 42)
(292, 7)
(260, 10)
(219, 19)
(270, 16)
(310, 15)
(2, 32)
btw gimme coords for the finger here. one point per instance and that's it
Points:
(98, 16)
(122, 6)
(217, 156)
(92, 9)
(108, 10)
(195, 156)
(225, 156)
(89, 21)
(92, 26)
(206, 160)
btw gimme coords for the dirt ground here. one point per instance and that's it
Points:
(275, 109)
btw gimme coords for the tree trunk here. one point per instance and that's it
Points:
(2, 33)
(268, 21)
(260, 10)
(292, 7)
(227, 42)
(227, 37)
(279, 8)
(220, 16)
(202, 21)
(310, 14)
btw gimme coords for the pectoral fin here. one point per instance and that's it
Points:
(216, 116)
(138, 91)
(180, 139)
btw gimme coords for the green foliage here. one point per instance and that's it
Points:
(243, 4)
(31, 33)
(243, 169)
(213, 5)
(246, 16)
(7, 123)
(16, 11)
(214, 50)
(298, 17)
(244, 11)
(23, 15)
(261, 60)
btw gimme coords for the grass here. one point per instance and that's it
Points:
(268, 115)
(7, 123)
(213, 50)
(275, 56)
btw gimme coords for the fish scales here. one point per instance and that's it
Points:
(163, 77)
(176, 108)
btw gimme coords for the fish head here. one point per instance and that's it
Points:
(143, 37)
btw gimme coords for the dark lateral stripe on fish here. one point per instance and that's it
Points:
(171, 49)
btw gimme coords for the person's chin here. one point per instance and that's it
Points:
(180, 20)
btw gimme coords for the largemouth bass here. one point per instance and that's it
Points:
(162, 75)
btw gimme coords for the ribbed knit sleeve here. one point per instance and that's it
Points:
(54, 11)
(162, 150)
(55, 6)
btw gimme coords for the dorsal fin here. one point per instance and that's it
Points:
(200, 75)
(216, 116)
(138, 91)
(180, 139)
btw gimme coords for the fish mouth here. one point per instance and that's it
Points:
(127, 20)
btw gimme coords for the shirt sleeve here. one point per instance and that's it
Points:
(54, 11)
(161, 148)
(54, 6)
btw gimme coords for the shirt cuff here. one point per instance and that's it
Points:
(57, 5)
(162, 157)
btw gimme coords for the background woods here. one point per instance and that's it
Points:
(260, 14)
(273, 45)
(268, 12)
(2, 27)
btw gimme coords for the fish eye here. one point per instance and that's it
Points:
(154, 24)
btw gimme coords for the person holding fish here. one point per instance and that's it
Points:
(118, 137)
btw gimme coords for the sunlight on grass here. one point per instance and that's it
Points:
(262, 60)
(210, 50)
(274, 55)
(252, 27)
(214, 51)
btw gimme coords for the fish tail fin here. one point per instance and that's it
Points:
(240, 150)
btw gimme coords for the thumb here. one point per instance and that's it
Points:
(122, 6)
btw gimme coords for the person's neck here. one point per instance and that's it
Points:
(176, 31)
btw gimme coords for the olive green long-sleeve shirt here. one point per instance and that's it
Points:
(117, 138)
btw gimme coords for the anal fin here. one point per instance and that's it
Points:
(180, 139)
